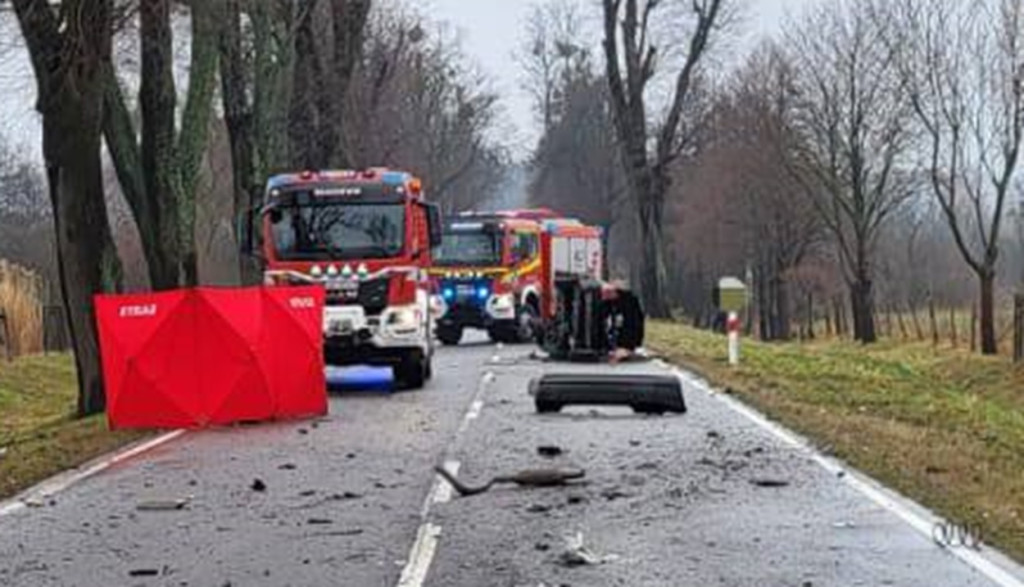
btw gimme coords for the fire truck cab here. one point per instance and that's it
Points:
(487, 275)
(367, 236)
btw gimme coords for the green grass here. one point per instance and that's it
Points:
(37, 424)
(944, 427)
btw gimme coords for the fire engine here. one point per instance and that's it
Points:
(487, 275)
(367, 236)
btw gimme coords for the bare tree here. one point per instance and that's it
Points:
(158, 174)
(576, 168)
(328, 42)
(631, 62)
(414, 102)
(963, 69)
(69, 46)
(854, 135)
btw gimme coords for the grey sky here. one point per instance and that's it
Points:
(491, 31)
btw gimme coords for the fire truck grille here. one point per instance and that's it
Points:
(372, 295)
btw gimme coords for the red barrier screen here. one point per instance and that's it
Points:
(193, 358)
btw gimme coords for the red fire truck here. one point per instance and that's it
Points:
(367, 236)
(487, 275)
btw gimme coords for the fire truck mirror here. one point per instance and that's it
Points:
(435, 225)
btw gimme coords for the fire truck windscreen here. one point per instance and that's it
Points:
(465, 246)
(305, 229)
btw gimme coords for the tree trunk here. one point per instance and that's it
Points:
(989, 344)
(652, 265)
(68, 59)
(87, 258)
(917, 324)
(783, 326)
(934, 321)
(863, 309)
(953, 337)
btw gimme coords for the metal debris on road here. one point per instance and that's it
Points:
(288, 467)
(143, 572)
(525, 478)
(549, 451)
(258, 485)
(162, 505)
(538, 508)
(577, 554)
(769, 482)
(319, 521)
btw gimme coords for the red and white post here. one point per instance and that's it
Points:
(732, 326)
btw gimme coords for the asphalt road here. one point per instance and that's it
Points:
(352, 500)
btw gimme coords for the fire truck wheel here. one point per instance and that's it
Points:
(412, 372)
(450, 335)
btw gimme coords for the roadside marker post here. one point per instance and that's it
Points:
(731, 297)
(733, 327)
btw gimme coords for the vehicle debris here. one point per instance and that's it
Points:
(288, 467)
(525, 478)
(143, 572)
(162, 505)
(613, 493)
(577, 554)
(258, 485)
(769, 482)
(549, 451)
(645, 394)
(319, 521)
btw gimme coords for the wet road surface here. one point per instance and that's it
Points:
(351, 499)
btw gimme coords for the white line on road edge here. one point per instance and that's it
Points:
(865, 485)
(63, 481)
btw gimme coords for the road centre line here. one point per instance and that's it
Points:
(424, 548)
(881, 495)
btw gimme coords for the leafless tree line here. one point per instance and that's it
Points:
(868, 152)
(136, 155)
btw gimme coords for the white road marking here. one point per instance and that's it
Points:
(866, 486)
(421, 556)
(442, 492)
(63, 481)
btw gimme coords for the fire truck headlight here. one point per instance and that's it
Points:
(402, 321)
(503, 302)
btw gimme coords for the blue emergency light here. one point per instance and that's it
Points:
(483, 293)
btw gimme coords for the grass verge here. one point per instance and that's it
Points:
(37, 427)
(944, 428)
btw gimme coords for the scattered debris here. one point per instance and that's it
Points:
(287, 467)
(350, 455)
(33, 502)
(258, 485)
(549, 451)
(769, 482)
(526, 478)
(307, 493)
(143, 572)
(634, 442)
(319, 521)
(714, 435)
(577, 554)
(753, 451)
(648, 466)
(538, 508)
(349, 532)
(844, 525)
(303, 431)
(348, 495)
(162, 505)
(542, 547)
(613, 493)
(577, 499)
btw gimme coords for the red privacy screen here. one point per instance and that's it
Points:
(193, 358)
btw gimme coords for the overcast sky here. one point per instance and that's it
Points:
(491, 32)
